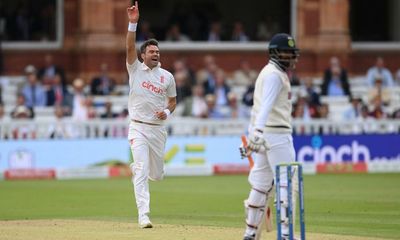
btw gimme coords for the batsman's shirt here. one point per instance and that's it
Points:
(272, 107)
(149, 90)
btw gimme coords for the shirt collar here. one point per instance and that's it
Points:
(145, 67)
(276, 64)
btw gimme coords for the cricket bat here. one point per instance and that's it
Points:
(249, 157)
(268, 213)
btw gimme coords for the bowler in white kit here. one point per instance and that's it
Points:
(270, 132)
(152, 98)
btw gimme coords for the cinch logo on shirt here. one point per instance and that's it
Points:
(151, 87)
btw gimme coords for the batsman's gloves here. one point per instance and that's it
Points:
(257, 141)
(243, 151)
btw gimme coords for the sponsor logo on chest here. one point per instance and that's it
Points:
(153, 88)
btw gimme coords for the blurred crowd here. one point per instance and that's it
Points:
(208, 92)
(26, 20)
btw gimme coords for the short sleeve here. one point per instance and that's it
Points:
(171, 90)
(132, 67)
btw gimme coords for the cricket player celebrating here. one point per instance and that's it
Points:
(270, 132)
(152, 98)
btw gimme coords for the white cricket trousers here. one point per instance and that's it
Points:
(263, 172)
(281, 151)
(147, 145)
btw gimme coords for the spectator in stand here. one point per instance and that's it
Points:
(397, 78)
(245, 75)
(57, 94)
(214, 35)
(22, 23)
(182, 83)
(3, 118)
(195, 106)
(1, 111)
(49, 71)
(213, 110)
(396, 114)
(379, 91)
(303, 109)
(379, 69)
(59, 129)
(354, 111)
(108, 112)
(236, 110)
(248, 96)
(378, 109)
(323, 111)
(263, 33)
(22, 109)
(22, 112)
(124, 114)
(310, 92)
(144, 32)
(174, 34)
(33, 91)
(238, 33)
(266, 29)
(220, 90)
(207, 73)
(102, 84)
(367, 122)
(80, 110)
(181, 66)
(299, 110)
(335, 82)
(364, 113)
(92, 113)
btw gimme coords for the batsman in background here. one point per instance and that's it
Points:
(152, 98)
(270, 132)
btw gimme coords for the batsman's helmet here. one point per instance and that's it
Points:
(283, 51)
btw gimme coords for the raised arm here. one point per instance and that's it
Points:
(133, 16)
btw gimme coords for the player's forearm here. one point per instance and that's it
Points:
(131, 54)
(171, 105)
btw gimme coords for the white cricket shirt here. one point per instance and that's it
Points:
(272, 107)
(149, 90)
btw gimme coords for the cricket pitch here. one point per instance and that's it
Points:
(99, 230)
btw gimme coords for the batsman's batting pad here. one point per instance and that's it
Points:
(255, 206)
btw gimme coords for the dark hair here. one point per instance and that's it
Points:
(148, 43)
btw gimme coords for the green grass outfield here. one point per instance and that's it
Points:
(357, 205)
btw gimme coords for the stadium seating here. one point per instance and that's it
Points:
(44, 116)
